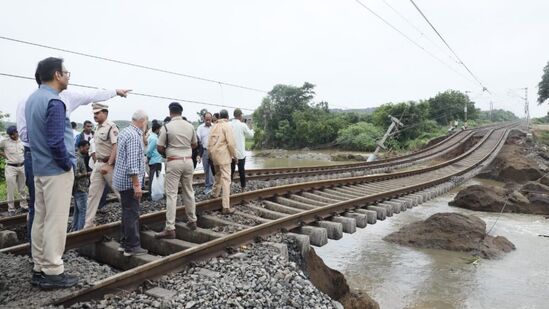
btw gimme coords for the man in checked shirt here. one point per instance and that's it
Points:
(128, 174)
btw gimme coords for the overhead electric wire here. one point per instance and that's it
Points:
(133, 64)
(409, 22)
(450, 48)
(138, 93)
(410, 39)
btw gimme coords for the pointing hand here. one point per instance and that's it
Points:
(123, 92)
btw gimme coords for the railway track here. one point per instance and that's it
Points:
(439, 149)
(318, 209)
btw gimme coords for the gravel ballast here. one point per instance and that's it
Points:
(258, 276)
(16, 290)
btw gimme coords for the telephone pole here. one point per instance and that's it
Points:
(526, 108)
(491, 109)
(395, 123)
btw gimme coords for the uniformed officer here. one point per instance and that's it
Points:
(12, 150)
(105, 139)
(176, 141)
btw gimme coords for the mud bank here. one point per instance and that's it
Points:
(332, 282)
(530, 198)
(455, 232)
(521, 168)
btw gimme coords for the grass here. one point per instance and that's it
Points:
(248, 143)
(3, 191)
(541, 136)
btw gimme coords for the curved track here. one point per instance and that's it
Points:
(354, 201)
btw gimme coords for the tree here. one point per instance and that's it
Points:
(275, 115)
(449, 105)
(359, 136)
(412, 114)
(2, 124)
(543, 86)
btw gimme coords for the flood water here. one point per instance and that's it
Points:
(293, 160)
(404, 277)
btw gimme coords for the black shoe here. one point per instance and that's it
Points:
(191, 226)
(61, 281)
(37, 277)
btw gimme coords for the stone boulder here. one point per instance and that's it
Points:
(455, 232)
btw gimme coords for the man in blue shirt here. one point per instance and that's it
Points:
(52, 147)
(153, 156)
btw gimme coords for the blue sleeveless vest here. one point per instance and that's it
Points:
(35, 114)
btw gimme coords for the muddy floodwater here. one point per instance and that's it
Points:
(296, 158)
(404, 277)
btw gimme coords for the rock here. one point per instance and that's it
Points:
(452, 231)
(492, 199)
(544, 180)
(160, 293)
(8, 239)
(512, 165)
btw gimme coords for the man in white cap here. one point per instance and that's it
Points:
(105, 138)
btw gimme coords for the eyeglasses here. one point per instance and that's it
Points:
(67, 73)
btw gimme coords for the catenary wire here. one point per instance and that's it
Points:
(138, 93)
(133, 64)
(220, 83)
(409, 22)
(450, 48)
(411, 40)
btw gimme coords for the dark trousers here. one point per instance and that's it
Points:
(210, 162)
(130, 238)
(154, 170)
(29, 175)
(241, 171)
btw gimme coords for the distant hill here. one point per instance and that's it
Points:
(367, 110)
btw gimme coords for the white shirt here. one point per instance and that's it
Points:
(240, 132)
(91, 151)
(75, 133)
(203, 132)
(72, 100)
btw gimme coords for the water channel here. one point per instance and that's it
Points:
(404, 277)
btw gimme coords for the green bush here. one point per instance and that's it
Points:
(359, 136)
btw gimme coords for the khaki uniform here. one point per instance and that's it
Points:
(221, 148)
(14, 171)
(105, 137)
(177, 136)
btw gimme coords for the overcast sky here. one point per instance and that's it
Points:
(355, 60)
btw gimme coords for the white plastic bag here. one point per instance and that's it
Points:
(157, 187)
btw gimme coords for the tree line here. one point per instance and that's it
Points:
(288, 117)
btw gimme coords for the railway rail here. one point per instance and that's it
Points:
(328, 206)
(353, 169)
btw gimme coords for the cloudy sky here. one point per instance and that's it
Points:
(355, 60)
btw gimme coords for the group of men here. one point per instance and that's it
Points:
(55, 161)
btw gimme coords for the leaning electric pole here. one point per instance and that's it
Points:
(395, 123)
(526, 108)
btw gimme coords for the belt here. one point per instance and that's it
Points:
(104, 160)
(178, 158)
(15, 164)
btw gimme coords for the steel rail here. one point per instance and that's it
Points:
(251, 173)
(177, 260)
(92, 235)
(267, 174)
